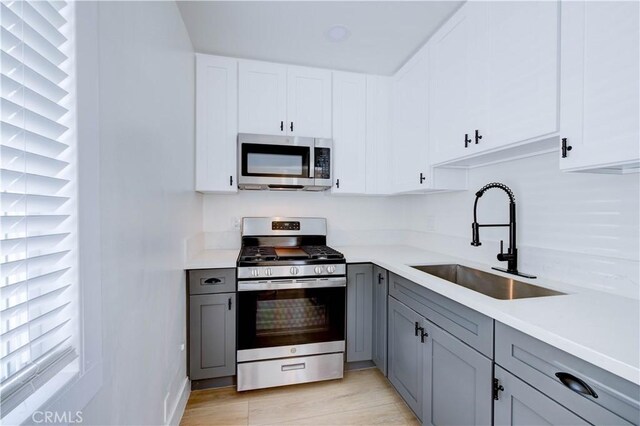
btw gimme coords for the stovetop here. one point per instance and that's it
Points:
(253, 255)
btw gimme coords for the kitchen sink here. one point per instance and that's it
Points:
(488, 284)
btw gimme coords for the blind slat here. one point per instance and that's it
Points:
(18, 138)
(21, 116)
(32, 16)
(50, 13)
(16, 92)
(34, 80)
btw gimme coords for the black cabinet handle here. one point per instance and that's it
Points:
(380, 279)
(213, 281)
(291, 127)
(422, 178)
(230, 303)
(230, 180)
(282, 126)
(423, 335)
(565, 148)
(575, 384)
(337, 183)
(417, 328)
(467, 141)
(478, 136)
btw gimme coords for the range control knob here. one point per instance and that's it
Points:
(331, 269)
(317, 270)
(255, 272)
(268, 272)
(294, 270)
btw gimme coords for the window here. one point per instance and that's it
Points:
(39, 294)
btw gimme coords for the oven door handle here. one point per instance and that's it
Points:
(289, 284)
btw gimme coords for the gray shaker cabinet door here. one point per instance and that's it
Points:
(405, 354)
(359, 312)
(212, 332)
(457, 381)
(521, 404)
(380, 293)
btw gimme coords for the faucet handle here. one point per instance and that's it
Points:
(501, 247)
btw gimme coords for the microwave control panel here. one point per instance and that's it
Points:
(323, 163)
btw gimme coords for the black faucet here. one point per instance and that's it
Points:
(511, 256)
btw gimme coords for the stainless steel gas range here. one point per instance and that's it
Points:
(291, 303)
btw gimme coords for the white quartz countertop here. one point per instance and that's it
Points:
(601, 328)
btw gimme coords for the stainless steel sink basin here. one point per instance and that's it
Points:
(488, 284)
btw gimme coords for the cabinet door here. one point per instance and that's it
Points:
(452, 368)
(359, 312)
(380, 294)
(452, 82)
(349, 133)
(599, 113)
(212, 336)
(521, 404)
(308, 102)
(405, 354)
(410, 125)
(216, 123)
(262, 98)
(522, 80)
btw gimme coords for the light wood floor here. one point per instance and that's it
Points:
(363, 397)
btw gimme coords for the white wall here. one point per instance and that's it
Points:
(351, 220)
(148, 207)
(579, 228)
(575, 227)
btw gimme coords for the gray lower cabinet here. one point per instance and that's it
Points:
(594, 394)
(359, 311)
(521, 404)
(405, 362)
(380, 293)
(457, 381)
(212, 331)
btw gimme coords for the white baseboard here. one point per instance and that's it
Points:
(180, 404)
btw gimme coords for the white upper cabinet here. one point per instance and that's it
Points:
(308, 102)
(522, 77)
(216, 123)
(453, 80)
(263, 98)
(494, 82)
(278, 99)
(600, 92)
(349, 133)
(378, 150)
(410, 125)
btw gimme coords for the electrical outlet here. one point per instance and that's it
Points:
(236, 222)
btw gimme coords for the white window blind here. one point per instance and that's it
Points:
(38, 202)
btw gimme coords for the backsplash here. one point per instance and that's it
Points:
(574, 227)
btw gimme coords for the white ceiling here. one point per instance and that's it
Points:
(384, 34)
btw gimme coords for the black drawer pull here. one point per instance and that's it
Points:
(213, 281)
(575, 384)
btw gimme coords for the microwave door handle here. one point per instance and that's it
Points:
(312, 159)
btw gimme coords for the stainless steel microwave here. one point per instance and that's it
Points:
(284, 163)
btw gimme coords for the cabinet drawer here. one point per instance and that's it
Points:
(537, 363)
(208, 281)
(470, 326)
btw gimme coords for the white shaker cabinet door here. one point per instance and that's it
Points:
(349, 133)
(308, 102)
(263, 98)
(522, 79)
(216, 123)
(599, 113)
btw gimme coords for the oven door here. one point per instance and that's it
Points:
(275, 162)
(294, 321)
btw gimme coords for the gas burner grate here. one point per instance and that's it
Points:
(322, 252)
(258, 253)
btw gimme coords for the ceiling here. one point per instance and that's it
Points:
(383, 34)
